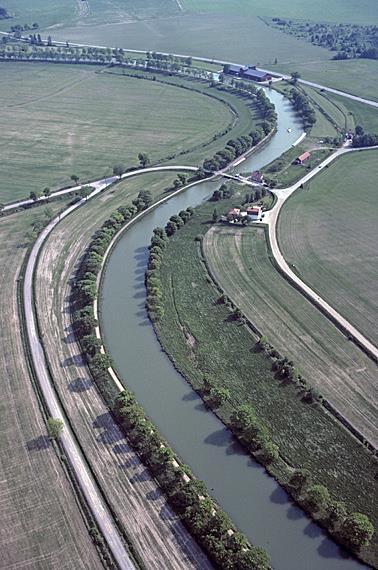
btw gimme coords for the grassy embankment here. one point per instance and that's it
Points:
(41, 524)
(241, 262)
(328, 232)
(307, 436)
(67, 135)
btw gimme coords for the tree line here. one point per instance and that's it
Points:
(303, 107)
(244, 143)
(211, 527)
(347, 40)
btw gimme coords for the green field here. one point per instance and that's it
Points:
(286, 173)
(357, 113)
(329, 233)
(356, 76)
(41, 524)
(307, 436)
(353, 11)
(241, 263)
(62, 120)
(84, 11)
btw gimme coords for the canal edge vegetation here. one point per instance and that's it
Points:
(211, 527)
(332, 514)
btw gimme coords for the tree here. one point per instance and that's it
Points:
(85, 192)
(219, 396)
(294, 77)
(143, 159)
(34, 196)
(54, 427)
(336, 512)
(119, 169)
(357, 530)
(75, 178)
(47, 192)
(254, 558)
(215, 216)
(359, 130)
(300, 478)
(317, 497)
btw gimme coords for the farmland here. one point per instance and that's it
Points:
(333, 249)
(42, 526)
(336, 10)
(307, 436)
(342, 373)
(116, 466)
(46, 108)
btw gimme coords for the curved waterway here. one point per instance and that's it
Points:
(259, 507)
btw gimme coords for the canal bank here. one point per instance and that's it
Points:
(255, 502)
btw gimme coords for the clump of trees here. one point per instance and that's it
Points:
(159, 241)
(302, 105)
(211, 527)
(253, 435)
(347, 40)
(353, 529)
(286, 371)
(85, 290)
(365, 139)
(237, 147)
(224, 192)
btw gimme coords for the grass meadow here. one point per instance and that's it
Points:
(58, 120)
(41, 524)
(307, 436)
(354, 11)
(240, 260)
(328, 231)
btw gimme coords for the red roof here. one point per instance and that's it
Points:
(304, 156)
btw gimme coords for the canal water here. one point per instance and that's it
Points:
(257, 505)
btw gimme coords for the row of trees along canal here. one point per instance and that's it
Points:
(212, 528)
(352, 529)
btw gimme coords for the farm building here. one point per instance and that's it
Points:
(247, 72)
(257, 176)
(256, 74)
(233, 214)
(302, 158)
(235, 69)
(254, 213)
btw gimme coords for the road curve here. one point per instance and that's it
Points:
(271, 219)
(87, 484)
(108, 180)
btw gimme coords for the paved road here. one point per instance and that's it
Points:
(220, 62)
(89, 487)
(271, 218)
(105, 181)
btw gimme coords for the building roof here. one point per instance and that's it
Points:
(254, 210)
(237, 68)
(252, 72)
(257, 175)
(303, 156)
(234, 211)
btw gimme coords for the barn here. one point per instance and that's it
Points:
(256, 74)
(302, 158)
